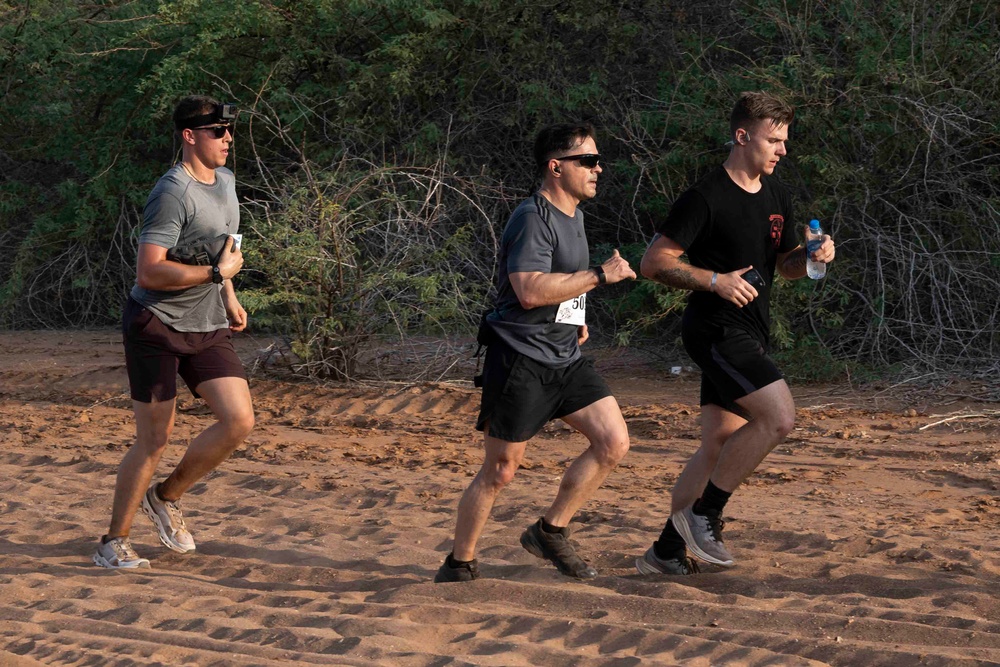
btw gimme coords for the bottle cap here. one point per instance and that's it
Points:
(814, 224)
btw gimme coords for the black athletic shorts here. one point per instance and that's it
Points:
(520, 394)
(155, 354)
(733, 361)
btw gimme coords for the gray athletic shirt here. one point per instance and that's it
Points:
(180, 211)
(538, 237)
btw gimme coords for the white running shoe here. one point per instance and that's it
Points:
(169, 521)
(118, 554)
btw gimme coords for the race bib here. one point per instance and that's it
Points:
(573, 311)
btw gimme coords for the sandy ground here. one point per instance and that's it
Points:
(868, 538)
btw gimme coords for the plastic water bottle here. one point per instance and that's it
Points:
(814, 239)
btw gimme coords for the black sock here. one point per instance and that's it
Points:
(454, 562)
(671, 544)
(156, 490)
(713, 499)
(549, 528)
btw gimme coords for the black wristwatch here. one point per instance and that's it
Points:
(602, 278)
(217, 275)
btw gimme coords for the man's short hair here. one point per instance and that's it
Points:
(554, 140)
(754, 106)
(191, 106)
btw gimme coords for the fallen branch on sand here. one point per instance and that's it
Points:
(990, 413)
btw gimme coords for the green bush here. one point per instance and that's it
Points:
(384, 144)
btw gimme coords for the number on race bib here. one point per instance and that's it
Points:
(573, 311)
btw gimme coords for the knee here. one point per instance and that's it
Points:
(612, 448)
(782, 423)
(153, 441)
(712, 442)
(238, 426)
(501, 473)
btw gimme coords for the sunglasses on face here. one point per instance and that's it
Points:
(587, 160)
(219, 131)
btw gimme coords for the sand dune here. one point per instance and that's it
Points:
(862, 540)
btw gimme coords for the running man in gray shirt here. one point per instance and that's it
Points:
(179, 319)
(534, 371)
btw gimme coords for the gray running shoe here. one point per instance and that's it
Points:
(556, 547)
(169, 522)
(650, 563)
(703, 536)
(118, 554)
(464, 572)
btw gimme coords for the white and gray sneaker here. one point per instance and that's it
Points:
(118, 554)
(169, 521)
(650, 563)
(703, 535)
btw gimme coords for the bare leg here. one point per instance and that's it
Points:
(153, 424)
(731, 447)
(717, 426)
(773, 418)
(501, 462)
(603, 425)
(229, 399)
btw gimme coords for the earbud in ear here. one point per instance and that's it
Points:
(557, 169)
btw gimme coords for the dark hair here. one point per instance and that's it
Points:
(191, 106)
(754, 106)
(554, 139)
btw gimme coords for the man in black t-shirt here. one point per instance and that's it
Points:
(533, 370)
(736, 227)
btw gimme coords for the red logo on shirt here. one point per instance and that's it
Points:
(777, 224)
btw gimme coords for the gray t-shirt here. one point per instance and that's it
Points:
(538, 237)
(181, 211)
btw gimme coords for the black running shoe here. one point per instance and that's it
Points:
(463, 572)
(556, 548)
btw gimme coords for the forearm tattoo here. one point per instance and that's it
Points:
(679, 277)
(796, 261)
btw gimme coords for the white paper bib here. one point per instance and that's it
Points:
(573, 311)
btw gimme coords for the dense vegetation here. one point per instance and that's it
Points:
(383, 144)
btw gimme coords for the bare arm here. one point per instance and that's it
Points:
(234, 311)
(792, 264)
(154, 271)
(662, 263)
(535, 289)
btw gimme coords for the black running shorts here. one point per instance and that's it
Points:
(155, 354)
(733, 362)
(520, 394)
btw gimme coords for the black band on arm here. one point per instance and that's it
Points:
(602, 278)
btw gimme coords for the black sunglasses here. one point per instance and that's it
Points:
(218, 131)
(587, 160)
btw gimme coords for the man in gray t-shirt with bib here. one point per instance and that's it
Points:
(179, 319)
(533, 370)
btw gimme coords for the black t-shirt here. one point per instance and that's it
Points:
(722, 227)
(538, 237)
